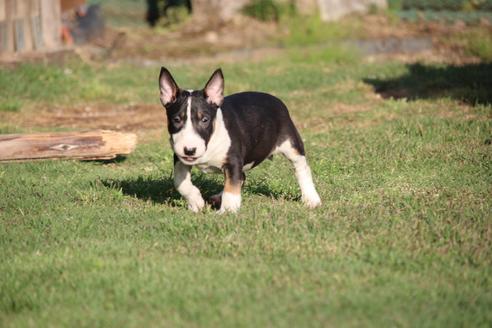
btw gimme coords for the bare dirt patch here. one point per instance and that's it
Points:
(184, 42)
(143, 119)
(423, 41)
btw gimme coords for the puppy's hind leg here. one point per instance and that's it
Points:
(294, 151)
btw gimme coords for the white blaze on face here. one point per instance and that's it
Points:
(188, 137)
(218, 145)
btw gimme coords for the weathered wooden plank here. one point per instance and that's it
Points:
(3, 12)
(37, 32)
(8, 45)
(3, 37)
(3, 26)
(20, 44)
(22, 25)
(51, 23)
(101, 144)
(36, 26)
(27, 25)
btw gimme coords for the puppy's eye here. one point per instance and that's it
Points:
(204, 119)
(177, 119)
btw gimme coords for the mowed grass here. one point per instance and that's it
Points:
(404, 236)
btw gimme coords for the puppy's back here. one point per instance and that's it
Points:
(258, 122)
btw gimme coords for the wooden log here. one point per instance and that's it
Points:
(100, 145)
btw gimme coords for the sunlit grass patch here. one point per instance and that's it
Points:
(402, 238)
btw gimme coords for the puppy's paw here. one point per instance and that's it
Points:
(311, 200)
(196, 203)
(215, 201)
(230, 203)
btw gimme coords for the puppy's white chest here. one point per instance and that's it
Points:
(216, 154)
(207, 168)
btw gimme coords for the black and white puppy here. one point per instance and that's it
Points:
(229, 135)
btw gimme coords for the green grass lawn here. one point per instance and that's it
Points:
(404, 236)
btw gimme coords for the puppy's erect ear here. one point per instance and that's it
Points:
(167, 86)
(214, 89)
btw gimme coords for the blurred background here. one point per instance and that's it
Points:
(93, 63)
(146, 30)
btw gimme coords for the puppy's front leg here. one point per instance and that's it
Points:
(182, 182)
(231, 196)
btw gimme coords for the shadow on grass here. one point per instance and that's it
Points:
(163, 191)
(471, 83)
(262, 188)
(157, 191)
(118, 159)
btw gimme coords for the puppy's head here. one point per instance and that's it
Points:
(191, 114)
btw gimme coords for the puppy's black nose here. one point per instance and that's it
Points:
(189, 151)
